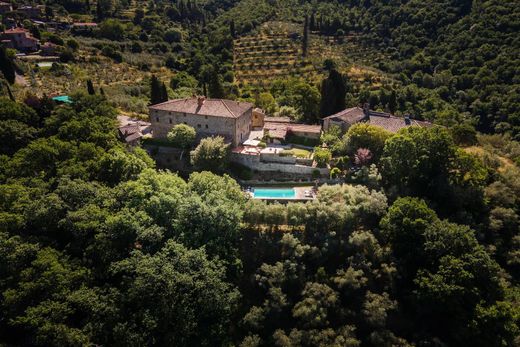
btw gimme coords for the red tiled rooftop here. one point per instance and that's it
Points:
(304, 128)
(210, 107)
(15, 31)
(84, 24)
(277, 119)
(349, 115)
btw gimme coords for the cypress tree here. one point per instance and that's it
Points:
(164, 93)
(90, 87)
(232, 28)
(155, 91)
(305, 43)
(312, 22)
(7, 66)
(333, 90)
(215, 88)
(99, 10)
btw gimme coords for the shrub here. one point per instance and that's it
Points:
(182, 136)
(464, 134)
(322, 156)
(172, 36)
(211, 154)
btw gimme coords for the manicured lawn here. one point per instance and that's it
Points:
(297, 152)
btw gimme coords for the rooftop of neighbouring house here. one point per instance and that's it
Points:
(277, 119)
(81, 24)
(205, 107)
(288, 127)
(16, 31)
(349, 115)
(382, 119)
(394, 124)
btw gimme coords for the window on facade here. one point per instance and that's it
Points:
(198, 125)
(170, 121)
(206, 117)
(157, 119)
(170, 113)
(206, 126)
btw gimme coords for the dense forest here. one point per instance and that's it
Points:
(100, 247)
(420, 247)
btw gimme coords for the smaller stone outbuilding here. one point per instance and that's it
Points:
(387, 121)
(132, 131)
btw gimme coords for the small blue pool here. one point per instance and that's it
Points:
(63, 99)
(274, 193)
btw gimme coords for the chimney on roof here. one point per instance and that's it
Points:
(200, 100)
(407, 120)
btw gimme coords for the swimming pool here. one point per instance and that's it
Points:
(274, 193)
(63, 99)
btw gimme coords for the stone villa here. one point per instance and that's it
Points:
(344, 119)
(210, 117)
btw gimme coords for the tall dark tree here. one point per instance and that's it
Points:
(156, 93)
(7, 66)
(305, 42)
(232, 28)
(333, 90)
(90, 87)
(215, 87)
(164, 93)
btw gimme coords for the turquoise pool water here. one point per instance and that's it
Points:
(63, 98)
(274, 193)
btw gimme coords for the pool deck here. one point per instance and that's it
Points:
(299, 194)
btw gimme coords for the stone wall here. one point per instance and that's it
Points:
(235, 129)
(254, 162)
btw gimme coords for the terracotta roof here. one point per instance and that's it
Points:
(133, 137)
(278, 133)
(274, 125)
(293, 127)
(278, 119)
(15, 31)
(394, 124)
(129, 129)
(304, 128)
(350, 115)
(210, 107)
(84, 24)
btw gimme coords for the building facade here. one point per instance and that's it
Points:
(209, 117)
(20, 39)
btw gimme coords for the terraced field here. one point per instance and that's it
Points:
(276, 53)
